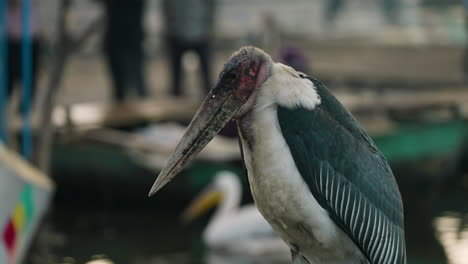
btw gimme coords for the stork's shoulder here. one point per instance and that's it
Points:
(332, 108)
(288, 88)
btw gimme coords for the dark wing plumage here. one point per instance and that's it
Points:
(347, 175)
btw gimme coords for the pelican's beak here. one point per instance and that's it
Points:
(219, 107)
(204, 202)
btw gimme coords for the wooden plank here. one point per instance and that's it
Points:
(24, 170)
(98, 115)
(90, 115)
(372, 63)
(403, 100)
(94, 115)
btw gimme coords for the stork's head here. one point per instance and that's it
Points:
(245, 71)
(232, 96)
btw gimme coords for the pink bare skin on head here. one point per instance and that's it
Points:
(259, 80)
(249, 79)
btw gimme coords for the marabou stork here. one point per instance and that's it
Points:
(315, 175)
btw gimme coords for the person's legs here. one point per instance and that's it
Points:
(134, 33)
(332, 8)
(390, 9)
(139, 77)
(135, 73)
(14, 78)
(176, 51)
(203, 50)
(14, 64)
(465, 65)
(114, 50)
(116, 68)
(36, 46)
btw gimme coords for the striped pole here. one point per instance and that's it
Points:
(26, 71)
(3, 70)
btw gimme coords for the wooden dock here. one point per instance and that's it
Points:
(94, 115)
(416, 65)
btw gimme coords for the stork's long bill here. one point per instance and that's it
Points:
(236, 83)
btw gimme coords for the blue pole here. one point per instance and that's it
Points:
(26, 71)
(3, 70)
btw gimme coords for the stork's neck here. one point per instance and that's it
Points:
(285, 87)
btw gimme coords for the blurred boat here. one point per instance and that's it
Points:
(150, 146)
(235, 233)
(24, 194)
(164, 137)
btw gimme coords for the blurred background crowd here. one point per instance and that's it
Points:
(96, 93)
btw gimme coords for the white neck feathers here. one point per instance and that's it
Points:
(286, 88)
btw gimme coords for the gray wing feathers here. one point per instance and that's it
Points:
(355, 183)
(381, 239)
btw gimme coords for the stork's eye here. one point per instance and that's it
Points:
(231, 76)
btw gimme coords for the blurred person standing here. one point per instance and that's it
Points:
(332, 8)
(123, 47)
(390, 9)
(189, 25)
(15, 38)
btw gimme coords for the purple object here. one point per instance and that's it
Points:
(295, 58)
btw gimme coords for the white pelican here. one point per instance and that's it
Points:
(235, 230)
(315, 174)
